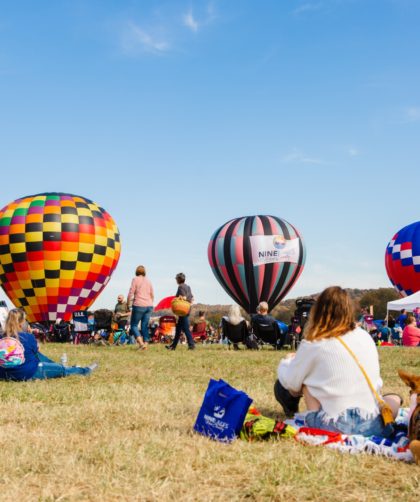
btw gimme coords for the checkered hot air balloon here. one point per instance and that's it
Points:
(402, 260)
(257, 258)
(57, 253)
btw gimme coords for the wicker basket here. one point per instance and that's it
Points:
(180, 307)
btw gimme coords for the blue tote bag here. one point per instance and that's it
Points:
(223, 411)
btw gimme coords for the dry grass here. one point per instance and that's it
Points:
(125, 434)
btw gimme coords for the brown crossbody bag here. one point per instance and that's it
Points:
(385, 408)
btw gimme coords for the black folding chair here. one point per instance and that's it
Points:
(61, 333)
(268, 334)
(103, 320)
(235, 333)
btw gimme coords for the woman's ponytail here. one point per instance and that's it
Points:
(13, 322)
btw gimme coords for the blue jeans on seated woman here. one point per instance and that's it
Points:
(141, 314)
(50, 369)
(350, 422)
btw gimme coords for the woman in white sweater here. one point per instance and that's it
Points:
(337, 395)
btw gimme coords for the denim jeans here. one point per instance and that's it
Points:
(141, 314)
(50, 369)
(183, 325)
(350, 422)
(122, 324)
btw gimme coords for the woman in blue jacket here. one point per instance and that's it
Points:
(20, 358)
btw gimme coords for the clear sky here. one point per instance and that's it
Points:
(178, 116)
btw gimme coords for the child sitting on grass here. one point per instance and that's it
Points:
(337, 395)
(20, 358)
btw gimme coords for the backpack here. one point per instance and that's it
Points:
(251, 343)
(12, 353)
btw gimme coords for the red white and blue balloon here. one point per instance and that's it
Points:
(402, 260)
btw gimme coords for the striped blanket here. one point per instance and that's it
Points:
(396, 448)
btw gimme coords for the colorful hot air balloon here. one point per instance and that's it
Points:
(57, 253)
(257, 258)
(402, 260)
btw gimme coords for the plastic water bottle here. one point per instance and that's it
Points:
(64, 360)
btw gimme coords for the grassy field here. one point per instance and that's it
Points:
(126, 433)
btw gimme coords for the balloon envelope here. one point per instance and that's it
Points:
(257, 258)
(57, 253)
(164, 304)
(402, 260)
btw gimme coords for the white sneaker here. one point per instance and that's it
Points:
(94, 366)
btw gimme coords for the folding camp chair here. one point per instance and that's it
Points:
(199, 332)
(396, 338)
(82, 331)
(103, 320)
(165, 332)
(235, 333)
(268, 334)
(61, 333)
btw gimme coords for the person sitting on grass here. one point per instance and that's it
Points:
(411, 333)
(20, 358)
(337, 394)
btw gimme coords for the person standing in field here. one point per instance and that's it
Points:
(142, 291)
(121, 313)
(401, 318)
(183, 322)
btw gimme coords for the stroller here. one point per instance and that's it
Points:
(165, 332)
(298, 321)
(82, 329)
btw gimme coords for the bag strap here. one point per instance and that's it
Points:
(363, 371)
(139, 288)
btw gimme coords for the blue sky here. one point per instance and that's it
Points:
(178, 116)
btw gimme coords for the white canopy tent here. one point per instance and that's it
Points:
(408, 303)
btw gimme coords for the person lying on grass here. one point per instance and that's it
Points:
(20, 358)
(337, 395)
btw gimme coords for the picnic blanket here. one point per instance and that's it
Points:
(394, 447)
